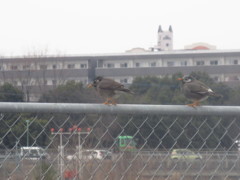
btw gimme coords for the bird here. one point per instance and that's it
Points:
(196, 90)
(108, 89)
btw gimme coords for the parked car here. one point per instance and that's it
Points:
(184, 154)
(97, 154)
(33, 153)
(92, 154)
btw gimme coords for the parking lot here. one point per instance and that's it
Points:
(157, 164)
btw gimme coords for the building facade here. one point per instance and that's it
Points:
(36, 75)
(222, 66)
(39, 74)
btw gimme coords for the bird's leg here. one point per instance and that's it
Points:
(113, 101)
(110, 101)
(107, 102)
(194, 104)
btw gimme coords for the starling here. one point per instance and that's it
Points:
(108, 89)
(196, 90)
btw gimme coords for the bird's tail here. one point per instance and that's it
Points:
(216, 94)
(127, 91)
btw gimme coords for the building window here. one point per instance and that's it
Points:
(26, 67)
(43, 66)
(71, 66)
(183, 63)
(1, 68)
(14, 67)
(170, 63)
(100, 63)
(233, 78)
(216, 78)
(200, 63)
(54, 66)
(25, 82)
(124, 65)
(110, 65)
(235, 61)
(15, 83)
(215, 62)
(124, 80)
(166, 38)
(45, 82)
(84, 81)
(54, 82)
(137, 64)
(83, 66)
(153, 64)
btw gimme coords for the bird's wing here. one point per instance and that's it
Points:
(110, 84)
(199, 88)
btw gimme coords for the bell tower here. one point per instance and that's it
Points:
(165, 39)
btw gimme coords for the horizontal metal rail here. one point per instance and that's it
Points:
(119, 109)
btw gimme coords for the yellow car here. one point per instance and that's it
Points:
(184, 154)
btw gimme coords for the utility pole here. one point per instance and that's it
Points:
(27, 121)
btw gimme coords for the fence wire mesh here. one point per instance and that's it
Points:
(145, 142)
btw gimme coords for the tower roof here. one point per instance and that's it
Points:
(160, 28)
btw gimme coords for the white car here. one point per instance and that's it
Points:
(92, 154)
(33, 153)
(97, 154)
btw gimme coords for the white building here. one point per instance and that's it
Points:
(37, 75)
(164, 40)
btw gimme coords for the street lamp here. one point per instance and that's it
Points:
(27, 121)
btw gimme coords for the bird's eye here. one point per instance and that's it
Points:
(187, 79)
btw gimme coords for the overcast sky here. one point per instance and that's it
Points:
(76, 27)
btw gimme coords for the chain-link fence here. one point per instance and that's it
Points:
(92, 141)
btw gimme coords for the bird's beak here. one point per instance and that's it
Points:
(90, 85)
(179, 79)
